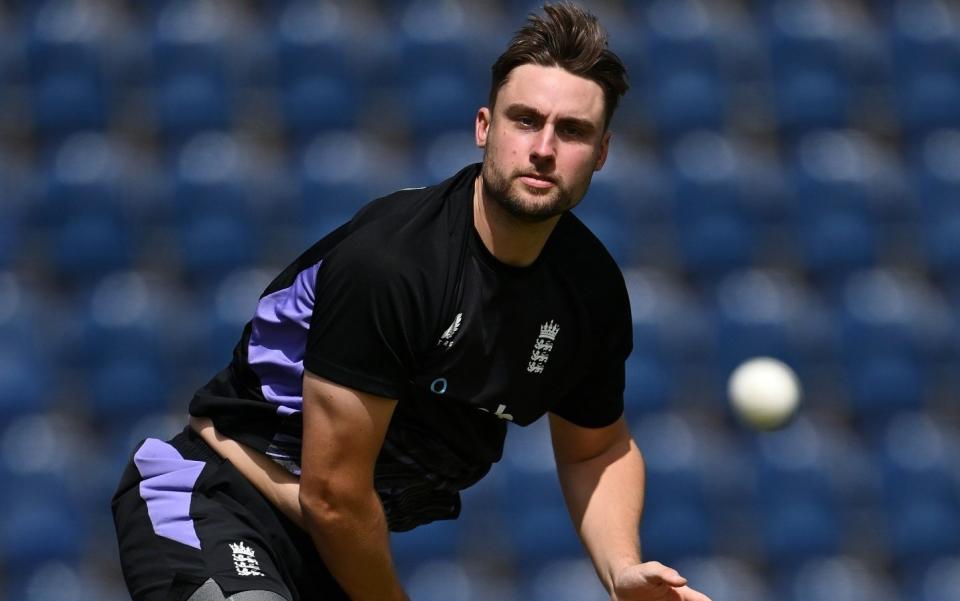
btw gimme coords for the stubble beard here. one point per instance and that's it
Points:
(503, 190)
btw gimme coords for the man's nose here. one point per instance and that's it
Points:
(544, 145)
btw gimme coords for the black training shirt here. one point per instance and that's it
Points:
(405, 301)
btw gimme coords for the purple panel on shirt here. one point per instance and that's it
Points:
(167, 488)
(278, 340)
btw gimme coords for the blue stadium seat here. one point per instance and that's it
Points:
(937, 583)
(679, 36)
(673, 323)
(434, 541)
(193, 86)
(535, 516)
(727, 578)
(685, 101)
(926, 57)
(678, 516)
(649, 386)
(322, 218)
(927, 101)
(211, 246)
(64, 103)
(885, 383)
(940, 244)
(192, 101)
(13, 59)
(10, 234)
(418, 58)
(80, 176)
(127, 388)
(687, 90)
(436, 158)
(918, 325)
(706, 177)
(835, 170)
(715, 245)
(808, 99)
(933, 171)
(24, 381)
(340, 161)
(313, 104)
(922, 35)
(922, 530)
(837, 243)
(840, 577)
(539, 525)
(677, 523)
(39, 524)
(89, 247)
(798, 505)
(70, 89)
(571, 579)
(334, 202)
(934, 163)
(310, 41)
(800, 528)
(215, 221)
(442, 102)
(223, 197)
(755, 315)
(716, 231)
(448, 579)
(913, 454)
(811, 86)
(865, 328)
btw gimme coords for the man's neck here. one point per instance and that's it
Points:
(510, 240)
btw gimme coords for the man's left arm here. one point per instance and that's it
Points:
(601, 473)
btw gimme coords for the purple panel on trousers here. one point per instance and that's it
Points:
(167, 488)
(278, 340)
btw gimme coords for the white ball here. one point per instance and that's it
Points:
(764, 393)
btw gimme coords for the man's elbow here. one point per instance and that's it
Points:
(327, 504)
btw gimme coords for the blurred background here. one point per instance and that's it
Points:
(784, 180)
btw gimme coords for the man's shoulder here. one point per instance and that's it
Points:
(416, 205)
(407, 233)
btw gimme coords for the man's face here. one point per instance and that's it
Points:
(542, 142)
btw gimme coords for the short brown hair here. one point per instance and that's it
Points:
(570, 38)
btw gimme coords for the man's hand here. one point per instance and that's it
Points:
(652, 581)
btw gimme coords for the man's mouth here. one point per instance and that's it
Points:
(537, 181)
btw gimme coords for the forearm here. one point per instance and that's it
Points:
(604, 496)
(279, 486)
(352, 537)
(354, 544)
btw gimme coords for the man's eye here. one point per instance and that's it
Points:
(573, 132)
(525, 121)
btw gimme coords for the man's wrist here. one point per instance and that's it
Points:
(618, 564)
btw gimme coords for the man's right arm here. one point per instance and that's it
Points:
(343, 431)
(334, 499)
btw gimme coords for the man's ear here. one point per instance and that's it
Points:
(604, 147)
(482, 127)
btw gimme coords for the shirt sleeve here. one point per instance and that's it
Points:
(597, 400)
(361, 331)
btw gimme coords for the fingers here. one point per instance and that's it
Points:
(657, 572)
(688, 594)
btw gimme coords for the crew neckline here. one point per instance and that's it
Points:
(481, 250)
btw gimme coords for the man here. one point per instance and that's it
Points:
(376, 378)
